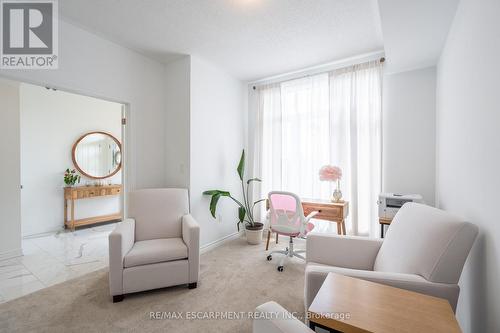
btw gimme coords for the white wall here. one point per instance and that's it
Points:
(10, 203)
(51, 122)
(468, 152)
(216, 140)
(96, 67)
(409, 113)
(177, 122)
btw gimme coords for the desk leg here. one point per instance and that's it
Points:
(72, 214)
(339, 227)
(276, 238)
(344, 232)
(65, 212)
(268, 238)
(381, 231)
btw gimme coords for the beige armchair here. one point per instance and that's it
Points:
(158, 246)
(424, 251)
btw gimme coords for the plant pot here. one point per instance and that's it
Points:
(254, 234)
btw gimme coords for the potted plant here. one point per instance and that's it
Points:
(71, 178)
(253, 229)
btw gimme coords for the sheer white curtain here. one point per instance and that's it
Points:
(331, 118)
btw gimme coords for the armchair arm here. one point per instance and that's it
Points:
(316, 275)
(121, 241)
(191, 236)
(342, 251)
(271, 317)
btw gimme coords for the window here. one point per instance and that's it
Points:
(330, 118)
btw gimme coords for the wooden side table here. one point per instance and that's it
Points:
(383, 221)
(347, 304)
(330, 211)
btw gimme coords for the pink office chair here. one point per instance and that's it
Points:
(286, 217)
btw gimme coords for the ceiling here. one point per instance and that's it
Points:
(250, 39)
(415, 31)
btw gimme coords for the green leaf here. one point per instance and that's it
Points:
(241, 213)
(241, 165)
(253, 180)
(213, 204)
(210, 192)
(214, 192)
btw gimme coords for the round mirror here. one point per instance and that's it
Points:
(97, 155)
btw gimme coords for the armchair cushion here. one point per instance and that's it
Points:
(156, 250)
(158, 212)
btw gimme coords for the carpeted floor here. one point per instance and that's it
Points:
(234, 277)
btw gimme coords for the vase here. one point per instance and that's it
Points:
(254, 234)
(337, 194)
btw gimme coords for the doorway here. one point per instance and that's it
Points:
(51, 122)
(66, 132)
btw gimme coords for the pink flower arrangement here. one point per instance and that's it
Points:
(330, 173)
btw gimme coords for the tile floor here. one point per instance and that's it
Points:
(54, 258)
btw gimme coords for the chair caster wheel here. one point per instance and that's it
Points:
(269, 257)
(280, 268)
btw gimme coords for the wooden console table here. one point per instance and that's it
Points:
(346, 304)
(84, 192)
(330, 211)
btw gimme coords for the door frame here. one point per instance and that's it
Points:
(128, 180)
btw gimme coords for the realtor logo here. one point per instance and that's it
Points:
(29, 34)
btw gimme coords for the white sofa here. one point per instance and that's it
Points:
(158, 246)
(424, 251)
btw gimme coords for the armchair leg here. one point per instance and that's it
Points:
(193, 285)
(117, 298)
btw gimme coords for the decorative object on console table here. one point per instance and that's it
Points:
(332, 173)
(84, 192)
(71, 178)
(253, 229)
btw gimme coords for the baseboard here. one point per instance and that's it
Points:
(11, 254)
(212, 245)
(44, 233)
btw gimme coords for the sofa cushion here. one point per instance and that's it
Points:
(155, 251)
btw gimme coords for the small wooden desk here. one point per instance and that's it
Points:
(83, 192)
(347, 304)
(330, 211)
